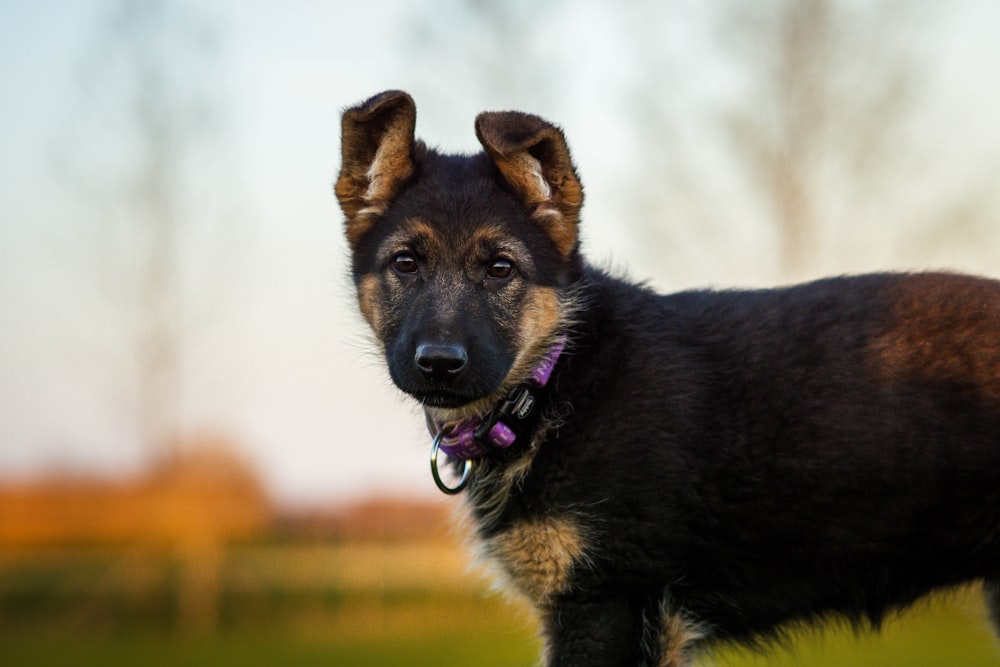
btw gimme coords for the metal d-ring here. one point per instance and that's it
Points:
(466, 471)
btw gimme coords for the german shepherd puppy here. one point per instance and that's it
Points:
(655, 472)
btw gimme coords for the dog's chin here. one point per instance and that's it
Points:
(444, 400)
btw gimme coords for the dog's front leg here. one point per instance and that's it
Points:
(594, 633)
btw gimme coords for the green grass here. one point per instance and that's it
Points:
(252, 650)
(946, 633)
(949, 631)
(84, 610)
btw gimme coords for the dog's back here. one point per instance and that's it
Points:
(827, 447)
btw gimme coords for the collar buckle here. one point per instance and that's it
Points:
(509, 420)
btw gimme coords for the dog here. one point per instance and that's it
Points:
(655, 473)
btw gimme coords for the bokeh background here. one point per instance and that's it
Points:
(201, 460)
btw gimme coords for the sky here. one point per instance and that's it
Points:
(275, 357)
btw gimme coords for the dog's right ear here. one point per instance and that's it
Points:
(377, 157)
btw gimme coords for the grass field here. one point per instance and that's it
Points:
(935, 640)
(253, 650)
(358, 605)
(941, 635)
(950, 631)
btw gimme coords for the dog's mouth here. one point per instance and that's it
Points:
(442, 398)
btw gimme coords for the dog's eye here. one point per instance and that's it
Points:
(500, 269)
(404, 262)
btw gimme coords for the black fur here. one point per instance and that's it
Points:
(735, 460)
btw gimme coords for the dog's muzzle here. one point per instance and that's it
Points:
(510, 421)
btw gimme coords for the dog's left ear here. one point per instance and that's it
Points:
(534, 159)
(378, 157)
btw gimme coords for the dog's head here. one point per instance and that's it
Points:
(461, 262)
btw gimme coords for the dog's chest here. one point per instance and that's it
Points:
(538, 555)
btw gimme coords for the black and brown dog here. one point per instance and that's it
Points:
(658, 472)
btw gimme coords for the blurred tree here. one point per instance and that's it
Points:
(831, 88)
(146, 121)
(146, 139)
(820, 137)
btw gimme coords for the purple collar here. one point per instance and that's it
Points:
(512, 418)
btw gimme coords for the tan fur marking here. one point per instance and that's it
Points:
(540, 319)
(538, 555)
(392, 164)
(556, 211)
(947, 328)
(540, 316)
(524, 173)
(676, 640)
(494, 235)
(412, 230)
(562, 221)
(369, 301)
(357, 225)
(560, 229)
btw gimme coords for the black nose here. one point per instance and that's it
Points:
(441, 362)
